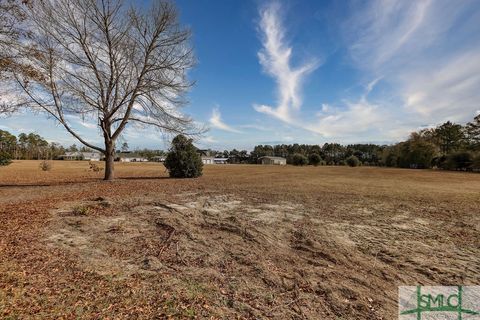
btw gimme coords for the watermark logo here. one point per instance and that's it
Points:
(439, 302)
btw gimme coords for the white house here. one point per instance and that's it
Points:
(130, 157)
(134, 159)
(220, 160)
(77, 155)
(91, 156)
(213, 160)
(273, 160)
(207, 160)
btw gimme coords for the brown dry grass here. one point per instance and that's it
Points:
(240, 242)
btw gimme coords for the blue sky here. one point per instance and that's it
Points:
(318, 71)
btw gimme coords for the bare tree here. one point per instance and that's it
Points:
(12, 15)
(102, 60)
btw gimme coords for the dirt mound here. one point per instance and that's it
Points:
(264, 260)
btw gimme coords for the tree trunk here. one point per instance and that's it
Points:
(109, 159)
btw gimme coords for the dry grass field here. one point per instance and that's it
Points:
(243, 241)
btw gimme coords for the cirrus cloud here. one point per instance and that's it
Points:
(217, 122)
(275, 58)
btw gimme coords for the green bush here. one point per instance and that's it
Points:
(314, 159)
(415, 154)
(183, 160)
(352, 161)
(476, 163)
(299, 160)
(5, 158)
(459, 161)
(390, 156)
(440, 162)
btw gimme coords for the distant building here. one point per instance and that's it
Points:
(77, 155)
(206, 155)
(203, 152)
(91, 156)
(158, 159)
(213, 160)
(210, 157)
(273, 160)
(207, 160)
(220, 160)
(70, 156)
(130, 157)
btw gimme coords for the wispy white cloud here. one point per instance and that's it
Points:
(88, 125)
(208, 139)
(275, 58)
(217, 122)
(341, 122)
(371, 85)
(344, 120)
(255, 127)
(356, 118)
(379, 30)
(427, 51)
(451, 91)
(352, 118)
(84, 122)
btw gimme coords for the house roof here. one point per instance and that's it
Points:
(80, 154)
(90, 154)
(204, 152)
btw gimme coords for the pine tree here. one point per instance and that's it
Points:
(183, 160)
(473, 133)
(450, 136)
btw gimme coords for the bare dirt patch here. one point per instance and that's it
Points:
(261, 260)
(215, 242)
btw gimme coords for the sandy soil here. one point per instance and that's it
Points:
(240, 242)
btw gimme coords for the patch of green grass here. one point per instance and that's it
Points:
(80, 210)
(195, 289)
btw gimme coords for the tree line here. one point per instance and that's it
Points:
(29, 146)
(448, 146)
(327, 154)
(32, 146)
